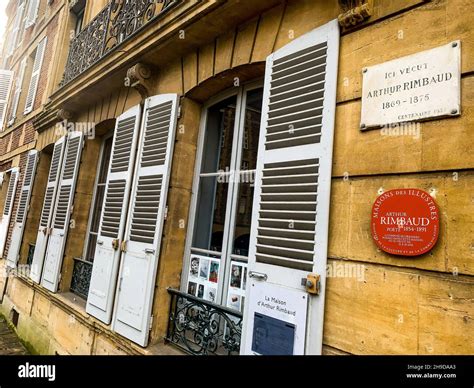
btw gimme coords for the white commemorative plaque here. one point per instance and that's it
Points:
(420, 86)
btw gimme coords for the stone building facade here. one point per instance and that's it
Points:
(107, 71)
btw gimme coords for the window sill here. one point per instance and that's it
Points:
(20, 123)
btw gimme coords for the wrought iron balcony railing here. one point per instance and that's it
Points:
(200, 327)
(115, 24)
(81, 277)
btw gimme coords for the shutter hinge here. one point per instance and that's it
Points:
(312, 283)
(151, 323)
(166, 213)
(179, 111)
(120, 284)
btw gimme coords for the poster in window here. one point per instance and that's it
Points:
(203, 277)
(236, 276)
(237, 283)
(200, 293)
(211, 294)
(234, 301)
(214, 272)
(194, 267)
(204, 269)
(192, 288)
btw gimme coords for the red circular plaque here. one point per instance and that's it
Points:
(405, 222)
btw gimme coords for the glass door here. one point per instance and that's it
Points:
(221, 211)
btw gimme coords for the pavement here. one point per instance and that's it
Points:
(9, 342)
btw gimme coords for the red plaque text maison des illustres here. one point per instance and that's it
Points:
(405, 222)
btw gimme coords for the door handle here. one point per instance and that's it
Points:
(100, 242)
(149, 250)
(258, 276)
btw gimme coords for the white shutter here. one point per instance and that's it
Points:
(114, 213)
(32, 13)
(145, 219)
(7, 210)
(62, 212)
(35, 76)
(6, 77)
(17, 93)
(48, 208)
(16, 28)
(22, 211)
(9, 42)
(293, 180)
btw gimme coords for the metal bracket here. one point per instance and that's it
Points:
(312, 283)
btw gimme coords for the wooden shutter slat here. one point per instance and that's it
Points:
(48, 209)
(35, 76)
(7, 210)
(62, 211)
(145, 219)
(6, 78)
(112, 224)
(16, 28)
(23, 204)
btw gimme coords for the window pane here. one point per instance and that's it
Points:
(99, 199)
(104, 166)
(243, 218)
(251, 132)
(210, 213)
(91, 247)
(204, 275)
(219, 135)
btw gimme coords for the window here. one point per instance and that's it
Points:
(17, 91)
(83, 267)
(35, 75)
(16, 35)
(21, 22)
(222, 210)
(6, 78)
(78, 10)
(32, 13)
